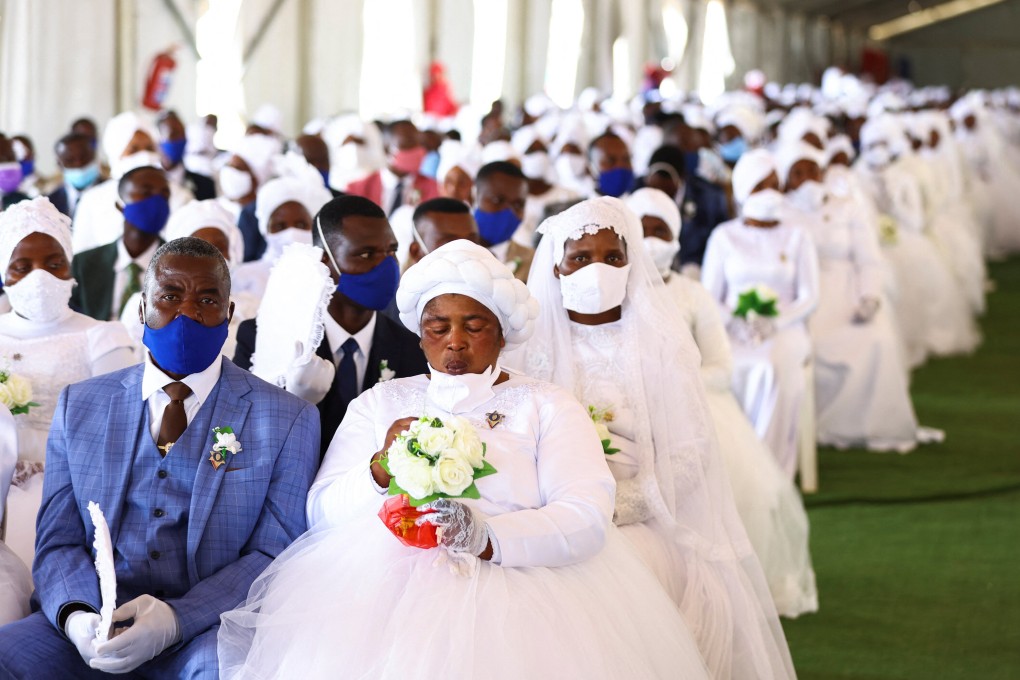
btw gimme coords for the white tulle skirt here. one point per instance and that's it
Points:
(769, 506)
(954, 232)
(352, 602)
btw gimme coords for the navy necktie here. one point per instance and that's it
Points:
(398, 196)
(348, 371)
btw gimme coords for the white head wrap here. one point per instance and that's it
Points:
(791, 152)
(654, 202)
(465, 268)
(695, 117)
(276, 192)
(119, 131)
(524, 138)
(498, 150)
(269, 117)
(878, 129)
(750, 170)
(750, 122)
(453, 154)
(258, 151)
(196, 215)
(28, 217)
(802, 121)
(586, 217)
(838, 144)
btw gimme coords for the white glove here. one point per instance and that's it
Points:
(461, 529)
(764, 327)
(310, 379)
(154, 629)
(80, 629)
(866, 310)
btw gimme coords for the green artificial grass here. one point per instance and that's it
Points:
(918, 556)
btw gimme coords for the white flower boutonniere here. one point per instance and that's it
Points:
(225, 447)
(385, 372)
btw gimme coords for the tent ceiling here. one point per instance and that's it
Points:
(854, 14)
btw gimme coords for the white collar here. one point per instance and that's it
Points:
(201, 384)
(389, 179)
(337, 335)
(124, 258)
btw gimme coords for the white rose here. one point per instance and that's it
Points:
(452, 473)
(5, 396)
(19, 389)
(228, 441)
(765, 293)
(435, 439)
(469, 445)
(603, 431)
(413, 474)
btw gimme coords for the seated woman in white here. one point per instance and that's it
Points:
(45, 342)
(608, 333)
(211, 222)
(14, 573)
(762, 247)
(285, 207)
(767, 501)
(861, 393)
(544, 586)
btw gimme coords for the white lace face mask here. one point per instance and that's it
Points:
(662, 252)
(275, 243)
(41, 296)
(594, 288)
(461, 393)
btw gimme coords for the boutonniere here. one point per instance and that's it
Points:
(224, 448)
(385, 372)
(414, 199)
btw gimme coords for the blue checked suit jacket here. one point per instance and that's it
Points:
(240, 517)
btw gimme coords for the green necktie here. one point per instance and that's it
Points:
(132, 286)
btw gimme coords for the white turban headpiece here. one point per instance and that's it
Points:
(120, 129)
(750, 170)
(655, 202)
(257, 151)
(839, 144)
(276, 192)
(586, 217)
(196, 215)
(791, 152)
(465, 268)
(28, 217)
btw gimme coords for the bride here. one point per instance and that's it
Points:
(531, 580)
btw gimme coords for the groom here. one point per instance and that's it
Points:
(193, 518)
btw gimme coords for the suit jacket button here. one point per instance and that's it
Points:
(154, 554)
(162, 474)
(158, 513)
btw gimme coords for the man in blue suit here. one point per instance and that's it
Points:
(196, 512)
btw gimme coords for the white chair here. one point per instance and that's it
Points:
(8, 460)
(807, 447)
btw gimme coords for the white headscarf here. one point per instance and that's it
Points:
(791, 152)
(120, 129)
(750, 170)
(276, 192)
(258, 152)
(499, 150)
(839, 144)
(29, 217)
(196, 215)
(654, 202)
(465, 268)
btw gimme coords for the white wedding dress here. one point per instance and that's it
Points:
(569, 598)
(769, 504)
(50, 356)
(14, 574)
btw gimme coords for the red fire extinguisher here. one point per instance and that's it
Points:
(157, 85)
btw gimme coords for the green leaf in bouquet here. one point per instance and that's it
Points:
(23, 409)
(484, 471)
(606, 448)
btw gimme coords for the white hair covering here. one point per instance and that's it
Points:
(792, 151)
(196, 215)
(454, 154)
(29, 217)
(120, 129)
(838, 144)
(499, 150)
(258, 151)
(802, 121)
(878, 129)
(680, 477)
(655, 202)
(464, 268)
(749, 121)
(750, 170)
(276, 192)
(269, 117)
(524, 137)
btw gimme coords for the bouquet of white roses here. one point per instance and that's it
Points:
(15, 393)
(601, 417)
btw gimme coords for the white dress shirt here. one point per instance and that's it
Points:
(337, 336)
(153, 381)
(120, 276)
(390, 182)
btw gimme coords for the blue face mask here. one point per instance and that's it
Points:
(184, 346)
(430, 164)
(496, 227)
(27, 167)
(174, 151)
(690, 163)
(80, 178)
(732, 150)
(376, 288)
(149, 214)
(616, 182)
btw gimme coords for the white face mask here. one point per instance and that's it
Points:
(535, 165)
(139, 159)
(570, 166)
(235, 184)
(809, 196)
(349, 157)
(877, 157)
(594, 288)
(41, 296)
(837, 179)
(764, 206)
(461, 393)
(275, 243)
(662, 252)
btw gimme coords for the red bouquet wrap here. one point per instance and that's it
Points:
(399, 516)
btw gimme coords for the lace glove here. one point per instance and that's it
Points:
(80, 629)
(154, 629)
(763, 327)
(310, 380)
(631, 503)
(866, 310)
(461, 529)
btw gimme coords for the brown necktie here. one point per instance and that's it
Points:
(175, 420)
